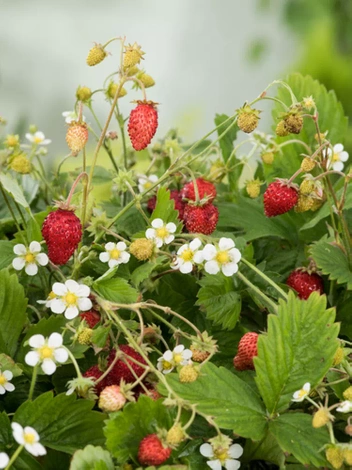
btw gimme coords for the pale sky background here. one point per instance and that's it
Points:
(195, 50)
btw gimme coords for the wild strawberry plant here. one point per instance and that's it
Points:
(188, 319)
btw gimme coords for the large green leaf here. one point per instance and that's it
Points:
(125, 429)
(13, 188)
(218, 297)
(299, 347)
(229, 400)
(6, 253)
(13, 304)
(89, 457)
(116, 290)
(331, 260)
(165, 208)
(63, 422)
(267, 449)
(296, 435)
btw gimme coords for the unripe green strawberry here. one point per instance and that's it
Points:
(146, 79)
(347, 455)
(112, 90)
(111, 399)
(188, 374)
(334, 455)
(253, 188)
(347, 394)
(175, 435)
(321, 417)
(308, 164)
(83, 93)
(21, 164)
(268, 158)
(338, 358)
(294, 122)
(76, 137)
(96, 55)
(132, 55)
(281, 129)
(247, 119)
(304, 203)
(142, 249)
(307, 187)
(85, 336)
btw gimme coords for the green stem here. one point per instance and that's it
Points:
(74, 362)
(258, 291)
(14, 457)
(10, 208)
(33, 382)
(265, 277)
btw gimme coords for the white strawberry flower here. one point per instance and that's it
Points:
(71, 116)
(29, 438)
(48, 300)
(170, 359)
(4, 460)
(47, 352)
(188, 255)
(337, 157)
(5, 385)
(345, 407)
(161, 233)
(222, 457)
(146, 182)
(38, 138)
(71, 298)
(29, 258)
(224, 257)
(114, 254)
(300, 395)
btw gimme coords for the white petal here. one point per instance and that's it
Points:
(209, 252)
(214, 464)
(169, 239)
(158, 242)
(59, 288)
(157, 223)
(39, 449)
(229, 269)
(235, 255)
(306, 387)
(30, 137)
(187, 354)
(48, 366)
(206, 450)
(150, 233)
(338, 148)
(125, 257)
(9, 387)
(232, 464)
(2, 390)
(104, 257)
(72, 286)
(34, 247)
(42, 259)
(182, 248)
(179, 349)
(195, 244)
(32, 358)
(329, 152)
(235, 451)
(121, 246)
(17, 432)
(186, 267)
(61, 355)
(55, 340)
(112, 263)
(83, 291)
(167, 371)
(153, 178)
(344, 156)
(167, 356)
(171, 227)
(71, 312)
(7, 374)
(31, 269)
(211, 267)
(337, 166)
(84, 304)
(39, 135)
(226, 243)
(18, 263)
(57, 306)
(20, 249)
(198, 257)
(30, 430)
(4, 459)
(36, 341)
(110, 246)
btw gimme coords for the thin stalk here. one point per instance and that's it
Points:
(14, 457)
(33, 382)
(265, 277)
(258, 291)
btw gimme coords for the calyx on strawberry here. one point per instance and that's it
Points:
(304, 282)
(176, 196)
(62, 232)
(201, 219)
(206, 190)
(280, 197)
(143, 124)
(152, 451)
(123, 371)
(247, 349)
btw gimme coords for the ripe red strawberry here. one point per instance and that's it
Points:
(121, 370)
(76, 137)
(95, 373)
(247, 349)
(201, 219)
(205, 190)
(305, 283)
(142, 124)
(279, 198)
(62, 231)
(152, 451)
(176, 196)
(92, 317)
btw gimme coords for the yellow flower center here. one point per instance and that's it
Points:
(178, 358)
(302, 393)
(147, 185)
(167, 365)
(222, 257)
(46, 352)
(70, 298)
(3, 379)
(29, 258)
(187, 255)
(52, 295)
(37, 140)
(336, 157)
(115, 253)
(29, 438)
(221, 454)
(11, 141)
(161, 232)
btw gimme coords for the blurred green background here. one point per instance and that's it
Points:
(206, 56)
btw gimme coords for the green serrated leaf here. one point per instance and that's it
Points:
(87, 458)
(100, 336)
(142, 273)
(268, 449)
(299, 347)
(218, 297)
(13, 188)
(226, 146)
(165, 208)
(229, 400)
(7, 363)
(6, 253)
(125, 430)
(332, 261)
(296, 435)
(116, 290)
(63, 422)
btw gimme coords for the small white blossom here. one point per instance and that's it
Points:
(146, 182)
(170, 359)
(188, 255)
(29, 258)
(222, 457)
(38, 138)
(4, 460)
(71, 298)
(161, 233)
(224, 257)
(5, 385)
(71, 116)
(47, 352)
(48, 300)
(114, 254)
(337, 157)
(308, 102)
(300, 395)
(29, 438)
(345, 407)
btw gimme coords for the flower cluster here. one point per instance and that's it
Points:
(29, 258)
(46, 352)
(171, 359)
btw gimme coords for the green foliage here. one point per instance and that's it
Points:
(142, 272)
(92, 458)
(14, 189)
(165, 208)
(7, 363)
(299, 347)
(116, 290)
(6, 253)
(227, 146)
(267, 449)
